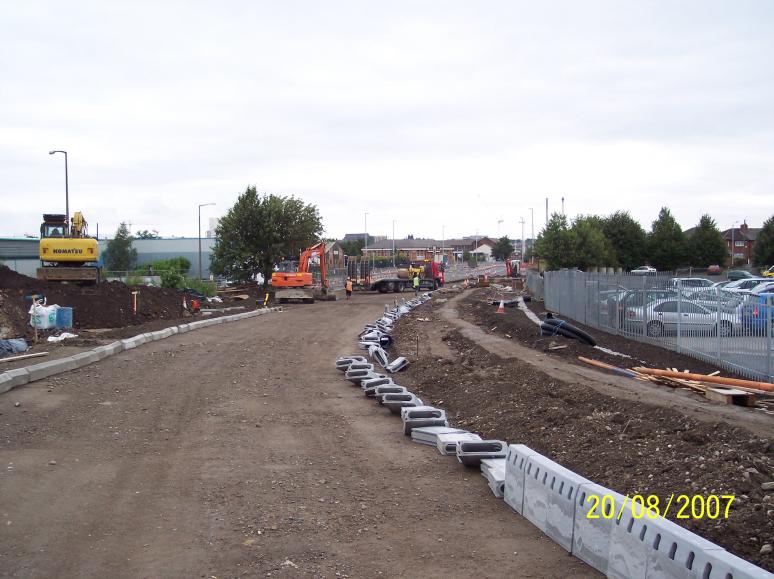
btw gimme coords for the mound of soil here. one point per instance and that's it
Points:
(107, 305)
(630, 447)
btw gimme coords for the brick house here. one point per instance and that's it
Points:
(743, 240)
(419, 249)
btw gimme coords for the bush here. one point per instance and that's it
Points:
(204, 287)
(172, 279)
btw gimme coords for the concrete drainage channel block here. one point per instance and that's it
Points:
(641, 547)
(471, 453)
(420, 416)
(183, 328)
(46, 369)
(722, 565)
(591, 536)
(394, 402)
(515, 467)
(447, 442)
(549, 498)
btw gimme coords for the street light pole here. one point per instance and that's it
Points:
(393, 243)
(733, 225)
(200, 237)
(365, 226)
(67, 191)
(443, 242)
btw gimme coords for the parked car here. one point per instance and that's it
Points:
(736, 274)
(690, 284)
(713, 270)
(713, 298)
(721, 284)
(763, 287)
(768, 272)
(745, 285)
(638, 298)
(665, 316)
(644, 270)
(758, 314)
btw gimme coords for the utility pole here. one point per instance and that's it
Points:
(546, 210)
(393, 243)
(523, 242)
(443, 241)
(562, 205)
(532, 236)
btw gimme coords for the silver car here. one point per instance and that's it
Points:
(666, 316)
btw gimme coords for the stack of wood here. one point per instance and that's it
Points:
(711, 386)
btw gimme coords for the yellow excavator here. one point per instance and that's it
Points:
(67, 253)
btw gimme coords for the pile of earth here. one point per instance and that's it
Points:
(106, 305)
(631, 447)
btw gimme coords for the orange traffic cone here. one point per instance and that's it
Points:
(501, 307)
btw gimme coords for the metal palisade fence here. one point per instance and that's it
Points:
(728, 327)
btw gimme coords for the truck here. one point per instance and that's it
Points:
(67, 253)
(431, 277)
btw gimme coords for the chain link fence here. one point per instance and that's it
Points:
(728, 327)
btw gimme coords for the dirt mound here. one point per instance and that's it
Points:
(107, 305)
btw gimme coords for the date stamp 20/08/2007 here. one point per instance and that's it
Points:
(652, 507)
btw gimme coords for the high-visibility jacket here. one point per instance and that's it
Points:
(349, 286)
(416, 281)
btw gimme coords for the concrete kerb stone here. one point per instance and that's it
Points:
(21, 376)
(46, 369)
(85, 358)
(515, 467)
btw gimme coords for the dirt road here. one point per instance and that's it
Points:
(239, 451)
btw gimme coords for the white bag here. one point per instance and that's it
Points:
(43, 317)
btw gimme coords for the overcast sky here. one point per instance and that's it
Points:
(433, 114)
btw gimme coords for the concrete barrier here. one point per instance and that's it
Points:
(672, 550)
(515, 467)
(183, 328)
(591, 536)
(46, 369)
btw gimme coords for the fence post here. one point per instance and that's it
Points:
(644, 309)
(679, 313)
(769, 303)
(717, 324)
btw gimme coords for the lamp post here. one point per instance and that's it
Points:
(393, 243)
(532, 235)
(443, 242)
(365, 226)
(733, 226)
(67, 192)
(200, 236)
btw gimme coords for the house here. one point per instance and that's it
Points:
(743, 238)
(413, 249)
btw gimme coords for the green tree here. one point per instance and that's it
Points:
(666, 242)
(259, 230)
(763, 254)
(556, 243)
(627, 237)
(706, 245)
(590, 246)
(354, 248)
(503, 248)
(119, 255)
(145, 234)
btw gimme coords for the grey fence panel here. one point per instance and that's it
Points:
(731, 329)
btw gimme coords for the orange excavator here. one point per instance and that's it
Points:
(291, 283)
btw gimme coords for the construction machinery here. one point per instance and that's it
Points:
(67, 253)
(512, 267)
(431, 277)
(292, 282)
